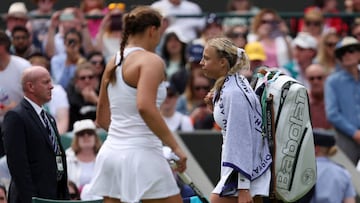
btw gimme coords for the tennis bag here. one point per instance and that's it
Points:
(287, 124)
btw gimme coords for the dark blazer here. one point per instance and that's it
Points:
(30, 156)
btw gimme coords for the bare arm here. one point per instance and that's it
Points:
(104, 25)
(86, 42)
(50, 41)
(151, 74)
(62, 120)
(103, 105)
(349, 200)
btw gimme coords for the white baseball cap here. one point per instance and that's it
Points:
(86, 124)
(305, 41)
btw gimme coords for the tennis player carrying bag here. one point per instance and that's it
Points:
(287, 124)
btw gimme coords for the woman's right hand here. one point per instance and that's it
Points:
(208, 100)
(244, 196)
(181, 163)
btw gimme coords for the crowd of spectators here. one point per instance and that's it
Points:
(74, 44)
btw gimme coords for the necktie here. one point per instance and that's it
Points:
(51, 133)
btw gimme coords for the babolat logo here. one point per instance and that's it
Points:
(294, 128)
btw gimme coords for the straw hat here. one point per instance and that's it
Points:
(18, 10)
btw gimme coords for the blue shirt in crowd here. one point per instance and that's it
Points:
(333, 183)
(342, 102)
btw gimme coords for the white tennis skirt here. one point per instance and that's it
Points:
(132, 174)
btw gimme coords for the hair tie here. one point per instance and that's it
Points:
(240, 52)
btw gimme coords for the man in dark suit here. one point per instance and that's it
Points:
(35, 156)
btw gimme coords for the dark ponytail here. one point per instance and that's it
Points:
(136, 21)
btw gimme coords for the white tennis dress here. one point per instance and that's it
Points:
(130, 164)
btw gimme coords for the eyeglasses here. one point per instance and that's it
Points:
(198, 88)
(234, 35)
(96, 62)
(313, 23)
(84, 77)
(85, 132)
(349, 50)
(272, 22)
(330, 44)
(312, 78)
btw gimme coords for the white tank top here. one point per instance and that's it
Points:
(127, 128)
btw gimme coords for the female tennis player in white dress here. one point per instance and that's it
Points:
(130, 165)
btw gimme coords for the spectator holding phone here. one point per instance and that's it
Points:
(109, 36)
(60, 23)
(63, 65)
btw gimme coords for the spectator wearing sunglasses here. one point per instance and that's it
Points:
(326, 52)
(83, 94)
(316, 75)
(238, 35)
(80, 157)
(314, 23)
(319, 8)
(342, 97)
(270, 30)
(97, 59)
(191, 102)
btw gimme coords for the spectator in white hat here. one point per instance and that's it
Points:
(80, 157)
(305, 50)
(16, 16)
